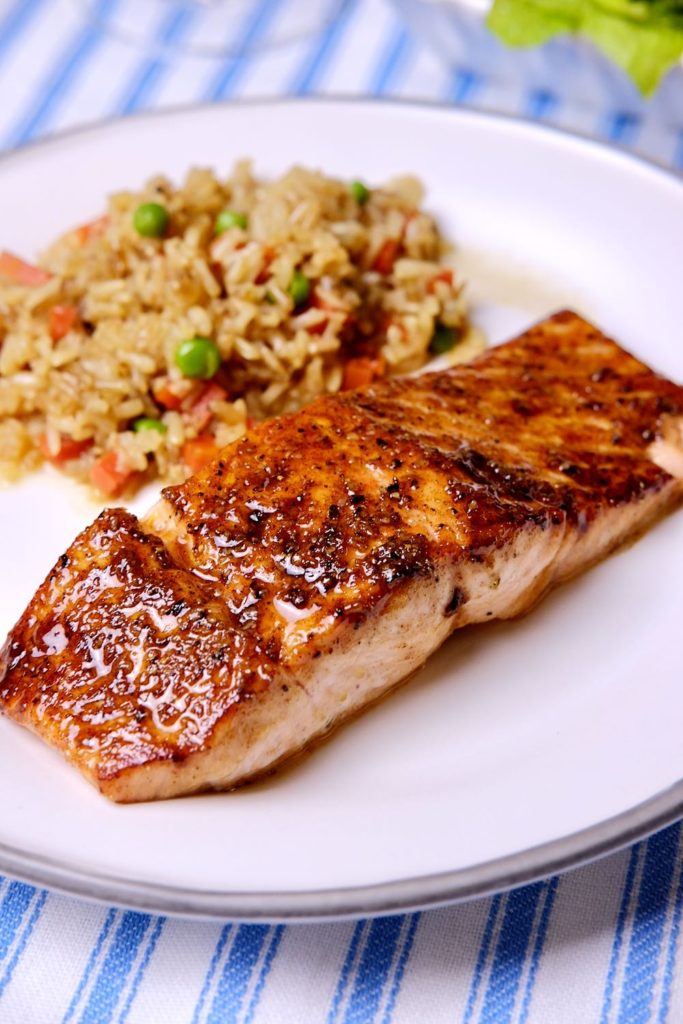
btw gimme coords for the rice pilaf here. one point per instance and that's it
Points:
(138, 348)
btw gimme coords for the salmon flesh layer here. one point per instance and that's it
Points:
(321, 559)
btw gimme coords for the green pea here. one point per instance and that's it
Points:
(150, 220)
(443, 339)
(360, 192)
(299, 288)
(147, 423)
(229, 219)
(198, 357)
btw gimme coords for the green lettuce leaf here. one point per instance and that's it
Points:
(644, 37)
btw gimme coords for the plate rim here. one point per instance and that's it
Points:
(420, 892)
(401, 895)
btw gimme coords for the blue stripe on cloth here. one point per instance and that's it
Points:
(308, 77)
(23, 941)
(482, 956)
(55, 86)
(265, 971)
(617, 942)
(217, 953)
(648, 927)
(400, 969)
(622, 127)
(373, 970)
(540, 104)
(393, 57)
(14, 905)
(551, 890)
(255, 26)
(113, 974)
(173, 29)
(345, 973)
(672, 949)
(92, 959)
(144, 964)
(464, 85)
(510, 955)
(237, 971)
(17, 21)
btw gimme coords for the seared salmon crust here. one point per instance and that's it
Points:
(321, 559)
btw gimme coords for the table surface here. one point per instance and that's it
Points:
(598, 944)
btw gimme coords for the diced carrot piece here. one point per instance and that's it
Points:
(362, 371)
(384, 261)
(263, 274)
(18, 271)
(110, 473)
(199, 451)
(68, 449)
(444, 275)
(318, 328)
(92, 229)
(62, 319)
(165, 397)
(200, 411)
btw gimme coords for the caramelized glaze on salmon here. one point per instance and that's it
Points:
(322, 558)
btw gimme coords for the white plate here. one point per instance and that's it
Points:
(521, 748)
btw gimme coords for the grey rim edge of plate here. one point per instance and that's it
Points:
(401, 895)
(394, 897)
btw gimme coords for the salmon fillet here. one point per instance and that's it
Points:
(321, 559)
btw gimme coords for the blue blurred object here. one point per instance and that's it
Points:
(211, 28)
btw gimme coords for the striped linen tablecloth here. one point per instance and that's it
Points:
(599, 944)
